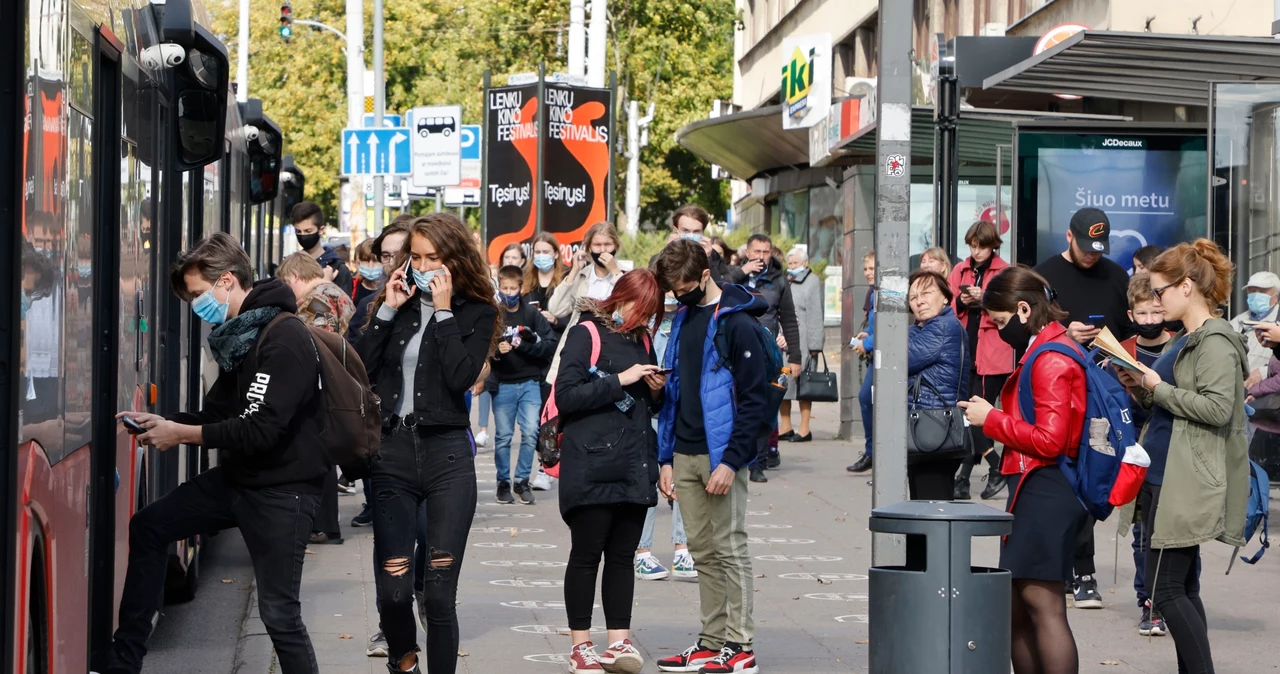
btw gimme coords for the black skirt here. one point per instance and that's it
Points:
(1047, 516)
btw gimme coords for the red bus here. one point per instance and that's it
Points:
(121, 149)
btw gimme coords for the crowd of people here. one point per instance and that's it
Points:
(675, 381)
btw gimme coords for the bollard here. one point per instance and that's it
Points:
(936, 613)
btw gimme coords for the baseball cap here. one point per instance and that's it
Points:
(1092, 230)
(1263, 279)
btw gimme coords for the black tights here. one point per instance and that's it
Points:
(614, 532)
(1174, 585)
(1042, 641)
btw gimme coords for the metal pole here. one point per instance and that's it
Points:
(892, 218)
(948, 170)
(577, 38)
(379, 108)
(355, 92)
(484, 167)
(598, 36)
(242, 54)
(633, 167)
(439, 199)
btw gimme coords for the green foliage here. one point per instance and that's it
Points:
(643, 245)
(436, 52)
(737, 238)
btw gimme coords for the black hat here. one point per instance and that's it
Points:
(1092, 230)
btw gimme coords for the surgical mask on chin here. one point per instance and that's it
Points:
(209, 309)
(1259, 303)
(544, 261)
(423, 279)
(372, 272)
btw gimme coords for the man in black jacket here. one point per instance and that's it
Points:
(308, 219)
(263, 416)
(690, 222)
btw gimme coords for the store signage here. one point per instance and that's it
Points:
(806, 80)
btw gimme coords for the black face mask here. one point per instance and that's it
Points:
(1015, 334)
(693, 297)
(596, 257)
(1151, 331)
(308, 241)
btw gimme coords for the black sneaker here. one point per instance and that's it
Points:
(525, 492)
(1085, 593)
(773, 460)
(757, 473)
(504, 493)
(961, 491)
(394, 668)
(789, 435)
(995, 485)
(862, 465)
(364, 519)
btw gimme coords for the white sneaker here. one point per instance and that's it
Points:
(682, 566)
(482, 439)
(649, 568)
(541, 481)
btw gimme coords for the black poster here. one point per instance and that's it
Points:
(577, 128)
(511, 166)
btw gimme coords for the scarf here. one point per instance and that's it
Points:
(230, 341)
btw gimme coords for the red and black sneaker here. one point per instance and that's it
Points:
(731, 660)
(691, 660)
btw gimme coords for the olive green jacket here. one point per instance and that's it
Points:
(1206, 478)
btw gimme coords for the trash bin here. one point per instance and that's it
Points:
(937, 614)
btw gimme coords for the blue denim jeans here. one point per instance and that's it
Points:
(864, 401)
(678, 537)
(486, 401)
(522, 402)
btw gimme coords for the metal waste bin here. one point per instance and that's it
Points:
(937, 614)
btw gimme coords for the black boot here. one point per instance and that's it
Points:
(961, 492)
(862, 465)
(757, 473)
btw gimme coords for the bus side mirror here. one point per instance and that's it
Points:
(263, 144)
(201, 86)
(292, 185)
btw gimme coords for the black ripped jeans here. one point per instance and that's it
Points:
(435, 466)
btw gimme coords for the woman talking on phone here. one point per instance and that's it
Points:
(432, 330)
(609, 460)
(1047, 515)
(595, 270)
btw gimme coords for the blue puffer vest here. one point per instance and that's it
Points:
(718, 405)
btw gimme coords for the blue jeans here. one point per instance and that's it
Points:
(678, 536)
(522, 401)
(485, 401)
(864, 401)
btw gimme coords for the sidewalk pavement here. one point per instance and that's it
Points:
(811, 550)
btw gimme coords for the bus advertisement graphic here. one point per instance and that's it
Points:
(511, 166)
(577, 128)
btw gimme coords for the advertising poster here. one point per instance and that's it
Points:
(511, 161)
(577, 125)
(1152, 188)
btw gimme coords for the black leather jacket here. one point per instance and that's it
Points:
(450, 357)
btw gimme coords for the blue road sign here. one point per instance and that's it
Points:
(470, 142)
(376, 152)
(388, 120)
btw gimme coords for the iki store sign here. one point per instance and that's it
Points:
(806, 80)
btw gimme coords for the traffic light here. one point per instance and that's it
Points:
(286, 20)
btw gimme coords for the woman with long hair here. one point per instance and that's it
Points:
(1197, 487)
(609, 460)
(513, 256)
(595, 270)
(434, 326)
(936, 260)
(542, 277)
(1047, 514)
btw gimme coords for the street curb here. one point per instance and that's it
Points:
(254, 651)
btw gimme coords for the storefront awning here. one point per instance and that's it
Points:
(1174, 69)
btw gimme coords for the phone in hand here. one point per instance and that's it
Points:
(404, 280)
(132, 426)
(534, 303)
(1096, 320)
(665, 371)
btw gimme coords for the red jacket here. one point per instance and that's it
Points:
(1058, 388)
(994, 356)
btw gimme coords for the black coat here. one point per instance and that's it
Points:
(607, 456)
(450, 358)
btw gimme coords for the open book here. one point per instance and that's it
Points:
(1108, 344)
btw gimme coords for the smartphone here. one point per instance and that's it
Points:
(1096, 320)
(132, 426)
(1256, 323)
(666, 371)
(534, 303)
(408, 269)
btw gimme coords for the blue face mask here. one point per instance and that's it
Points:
(209, 309)
(544, 261)
(423, 279)
(690, 236)
(796, 272)
(619, 318)
(84, 269)
(372, 272)
(26, 304)
(512, 301)
(1259, 303)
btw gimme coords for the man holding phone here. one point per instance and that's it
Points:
(1094, 291)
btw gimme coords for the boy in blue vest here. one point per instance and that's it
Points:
(707, 433)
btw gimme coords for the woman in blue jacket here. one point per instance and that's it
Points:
(937, 366)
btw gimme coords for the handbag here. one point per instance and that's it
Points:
(937, 434)
(815, 386)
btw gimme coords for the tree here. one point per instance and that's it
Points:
(436, 52)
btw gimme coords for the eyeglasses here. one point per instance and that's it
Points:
(387, 258)
(1158, 293)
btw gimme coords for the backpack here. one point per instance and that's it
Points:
(352, 419)
(1107, 440)
(549, 431)
(1258, 511)
(774, 364)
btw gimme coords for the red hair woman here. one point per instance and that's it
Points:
(607, 389)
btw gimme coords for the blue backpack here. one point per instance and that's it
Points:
(1092, 473)
(1258, 511)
